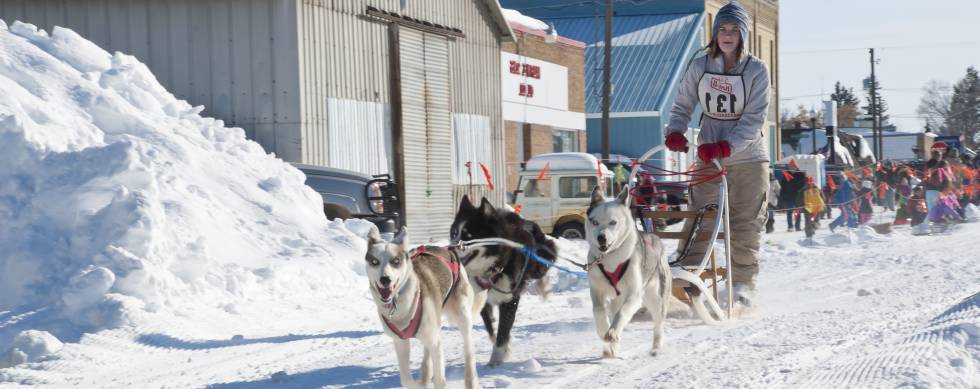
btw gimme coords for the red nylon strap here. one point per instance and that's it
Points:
(615, 276)
(413, 326)
(451, 264)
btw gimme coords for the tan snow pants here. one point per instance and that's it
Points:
(748, 186)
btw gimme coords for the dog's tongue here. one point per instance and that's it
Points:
(385, 293)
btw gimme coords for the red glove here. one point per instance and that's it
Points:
(676, 141)
(709, 151)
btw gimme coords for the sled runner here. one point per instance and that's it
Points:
(695, 285)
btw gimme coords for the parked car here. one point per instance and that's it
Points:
(349, 194)
(554, 190)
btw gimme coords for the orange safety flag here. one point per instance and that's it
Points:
(486, 173)
(866, 172)
(882, 189)
(793, 164)
(787, 176)
(517, 209)
(830, 183)
(851, 175)
(544, 172)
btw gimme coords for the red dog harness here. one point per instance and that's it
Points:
(451, 263)
(413, 326)
(615, 276)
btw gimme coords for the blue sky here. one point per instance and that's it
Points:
(825, 41)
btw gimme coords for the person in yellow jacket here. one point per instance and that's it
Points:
(813, 206)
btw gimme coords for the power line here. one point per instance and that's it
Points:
(937, 45)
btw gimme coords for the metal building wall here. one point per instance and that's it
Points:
(345, 55)
(235, 57)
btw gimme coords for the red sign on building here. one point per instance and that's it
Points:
(532, 71)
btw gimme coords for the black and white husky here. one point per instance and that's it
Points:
(627, 268)
(413, 290)
(500, 270)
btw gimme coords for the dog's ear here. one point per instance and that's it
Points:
(486, 208)
(374, 236)
(596, 197)
(401, 237)
(625, 192)
(465, 204)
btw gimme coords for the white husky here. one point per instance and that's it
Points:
(412, 291)
(627, 268)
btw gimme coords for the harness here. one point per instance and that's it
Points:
(413, 326)
(452, 263)
(616, 275)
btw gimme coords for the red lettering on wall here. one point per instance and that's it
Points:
(527, 90)
(532, 71)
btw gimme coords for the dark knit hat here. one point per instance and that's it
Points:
(733, 13)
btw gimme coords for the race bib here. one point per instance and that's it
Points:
(722, 96)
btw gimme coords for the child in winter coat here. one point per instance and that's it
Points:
(946, 208)
(843, 197)
(813, 203)
(865, 210)
(916, 206)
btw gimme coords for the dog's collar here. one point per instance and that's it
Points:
(413, 325)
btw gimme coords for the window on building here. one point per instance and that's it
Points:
(537, 188)
(576, 187)
(563, 141)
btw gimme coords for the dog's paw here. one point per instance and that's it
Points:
(611, 336)
(653, 352)
(499, 356)
(608, 354)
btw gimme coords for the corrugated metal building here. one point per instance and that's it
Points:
(652, 45)
(376, 86)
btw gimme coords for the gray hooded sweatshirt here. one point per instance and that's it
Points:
(748, 140)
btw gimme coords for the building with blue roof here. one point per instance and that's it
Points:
(653, 41)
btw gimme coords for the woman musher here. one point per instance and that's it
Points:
(732, 88)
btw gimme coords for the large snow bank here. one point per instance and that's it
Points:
(118, 201)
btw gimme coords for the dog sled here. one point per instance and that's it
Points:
(696, 285)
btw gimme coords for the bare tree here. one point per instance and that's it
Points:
(935, 104)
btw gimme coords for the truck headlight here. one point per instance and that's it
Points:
(374, 190)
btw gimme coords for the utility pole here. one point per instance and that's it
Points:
(876, 133)
(607, 80)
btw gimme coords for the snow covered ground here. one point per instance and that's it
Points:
(142, 245)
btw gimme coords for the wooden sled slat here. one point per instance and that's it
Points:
(703, 236)
(679, 285)
(708, 215)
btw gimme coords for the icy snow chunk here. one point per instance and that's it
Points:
(502, 382)
(87, 288)
(531, 366)
(972, 213)
(30, 346)
(863, 292)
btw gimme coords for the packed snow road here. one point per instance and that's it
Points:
(858, 310)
